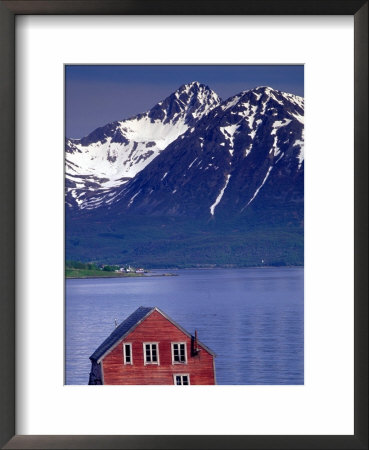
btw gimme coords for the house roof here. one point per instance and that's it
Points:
(132, 321)
(129, 325)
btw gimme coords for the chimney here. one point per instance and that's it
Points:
(195, 348)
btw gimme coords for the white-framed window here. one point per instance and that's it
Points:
(127, 353)
(151, 352)
(181, 379)
(179, 353)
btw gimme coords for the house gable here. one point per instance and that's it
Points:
(159, 351)
(130, 324)
(156, 330)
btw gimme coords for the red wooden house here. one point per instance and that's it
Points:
(150, 348)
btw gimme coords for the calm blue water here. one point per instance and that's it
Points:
(253, 319)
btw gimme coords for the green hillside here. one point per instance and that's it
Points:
(158, 242)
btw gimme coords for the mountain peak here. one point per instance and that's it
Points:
(257, 90)
(193, 85)
(189, 102)
(202, 91)
(275, 92)
(263, 88)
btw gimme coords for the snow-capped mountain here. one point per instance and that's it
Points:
(111, 155)
(193, 181)
(246, 152)
(193, 154)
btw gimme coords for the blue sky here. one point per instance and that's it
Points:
(97, 95)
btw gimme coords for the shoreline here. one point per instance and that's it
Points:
(121, 276)
(177, 269)
(230, 268)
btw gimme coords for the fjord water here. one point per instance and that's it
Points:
(253, 319)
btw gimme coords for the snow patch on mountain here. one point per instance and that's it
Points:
(145, 130)
(275, 150)
(229, 132)
(192, 163)
(231, 102)
(220, 195)
(278, 124)
(258, 189)
(132, 198)
(300, 143)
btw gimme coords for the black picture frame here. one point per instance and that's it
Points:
(8, 12)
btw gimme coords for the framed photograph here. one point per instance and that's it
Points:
(194, 207)
(198, 173)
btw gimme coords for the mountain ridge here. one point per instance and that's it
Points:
(223, 186)
(244, 127)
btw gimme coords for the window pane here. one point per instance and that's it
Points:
(148, 353)
(175, 353)
(154, 354)
(185, 380)
(178, 379)
(127, 353)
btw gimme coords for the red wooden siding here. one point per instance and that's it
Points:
(156, 328)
